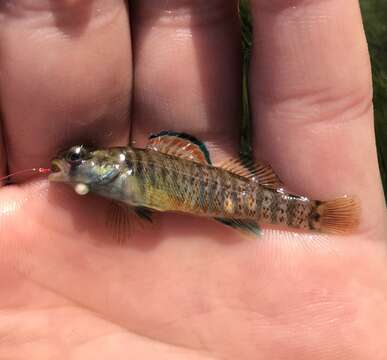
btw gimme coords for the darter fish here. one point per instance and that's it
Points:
(174, 173)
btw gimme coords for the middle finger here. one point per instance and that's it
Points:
(187, 70)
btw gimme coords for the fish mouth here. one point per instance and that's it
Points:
(59, 171)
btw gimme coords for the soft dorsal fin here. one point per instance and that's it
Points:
(180, 145)
(260, 171)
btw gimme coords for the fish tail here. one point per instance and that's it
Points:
(339, 216)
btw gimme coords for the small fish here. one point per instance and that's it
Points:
(174, 173)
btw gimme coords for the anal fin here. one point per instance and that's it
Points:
(246, 226)
(144, 213)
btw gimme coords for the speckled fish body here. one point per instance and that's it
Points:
(167, 183)
(175, 175)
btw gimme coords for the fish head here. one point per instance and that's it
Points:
(82, 165)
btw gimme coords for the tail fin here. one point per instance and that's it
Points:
(339, 216)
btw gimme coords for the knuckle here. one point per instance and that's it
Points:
(184, 12)
(70, 16)
(281, 5)
(327, 104)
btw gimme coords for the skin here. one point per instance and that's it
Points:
(188, 288)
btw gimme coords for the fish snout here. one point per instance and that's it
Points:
(59, 171)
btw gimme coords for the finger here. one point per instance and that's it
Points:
(187, 69)
(66, 76)
(311, 92)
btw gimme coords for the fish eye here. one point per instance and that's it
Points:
(76, 154)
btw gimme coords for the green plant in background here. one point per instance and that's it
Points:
(375, 21)
(246, 47)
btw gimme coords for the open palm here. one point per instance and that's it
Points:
(187, 288)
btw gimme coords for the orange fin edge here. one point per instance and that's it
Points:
(340, 216)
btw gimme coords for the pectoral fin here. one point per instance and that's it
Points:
(123, 219)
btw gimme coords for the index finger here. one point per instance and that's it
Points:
(65, 76)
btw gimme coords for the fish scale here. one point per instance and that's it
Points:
(224, 192)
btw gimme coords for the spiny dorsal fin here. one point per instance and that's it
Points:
(180, 145)
(259, 171)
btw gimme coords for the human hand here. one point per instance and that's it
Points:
(188, 288)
